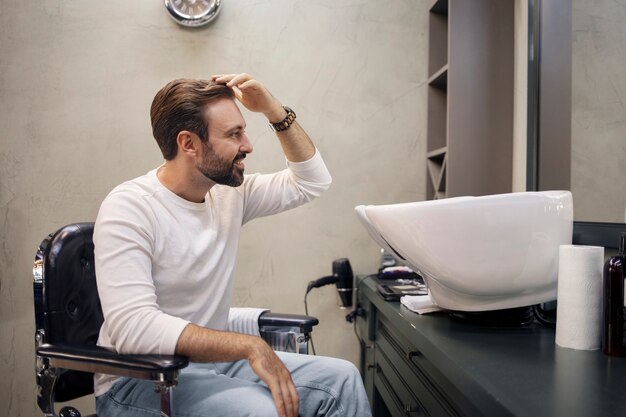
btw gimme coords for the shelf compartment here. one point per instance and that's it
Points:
(437, 167)
(438, 36)
(437, 129)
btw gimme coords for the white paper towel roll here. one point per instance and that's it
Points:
(579, 298)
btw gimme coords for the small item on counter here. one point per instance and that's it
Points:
(398, 272)
(421, 304)
(613, 309)
(394, 290)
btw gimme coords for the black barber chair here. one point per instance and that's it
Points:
(68, 317)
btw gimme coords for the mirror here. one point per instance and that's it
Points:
(577, 62)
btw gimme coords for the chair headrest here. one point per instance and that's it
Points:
(72, 312)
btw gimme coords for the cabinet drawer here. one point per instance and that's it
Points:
(398, 397)
(402, 356)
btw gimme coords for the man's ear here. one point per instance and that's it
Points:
(188, 142)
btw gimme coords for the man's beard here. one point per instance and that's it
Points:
(219, 170)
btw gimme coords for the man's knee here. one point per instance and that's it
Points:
(340, 365)
(335, 369)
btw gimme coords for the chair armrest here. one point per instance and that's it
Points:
(94, 359)
(305, 323)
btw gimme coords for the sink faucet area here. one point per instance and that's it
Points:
(479, 253)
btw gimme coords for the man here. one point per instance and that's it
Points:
(165, 246)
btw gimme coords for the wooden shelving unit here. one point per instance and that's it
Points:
(470, 98)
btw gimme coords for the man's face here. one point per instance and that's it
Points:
(227, 146)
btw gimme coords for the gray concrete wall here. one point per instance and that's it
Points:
(598, 110)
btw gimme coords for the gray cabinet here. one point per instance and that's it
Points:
(432, 365)
(400, 378)
(470, 98)
(403, 376)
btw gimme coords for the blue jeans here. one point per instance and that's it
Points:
(326, 387)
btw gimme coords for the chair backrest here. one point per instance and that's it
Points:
(67, 307)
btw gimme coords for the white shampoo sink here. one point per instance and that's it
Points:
(479, 253)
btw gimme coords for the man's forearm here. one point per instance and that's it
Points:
(295, 142)
(206, 345)
(200, 344)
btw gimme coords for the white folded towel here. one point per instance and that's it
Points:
(420, 304)
(245, 320)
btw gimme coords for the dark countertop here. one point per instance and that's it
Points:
(518, 370)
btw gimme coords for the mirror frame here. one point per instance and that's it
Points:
(585, 232)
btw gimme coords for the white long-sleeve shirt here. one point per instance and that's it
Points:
(163, 262)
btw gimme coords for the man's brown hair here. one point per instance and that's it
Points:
(179, 106)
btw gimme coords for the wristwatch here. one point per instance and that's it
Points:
(286, 122)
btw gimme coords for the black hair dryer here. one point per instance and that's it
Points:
(343, 272)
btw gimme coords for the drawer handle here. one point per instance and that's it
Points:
(408, 409)
(411, 353)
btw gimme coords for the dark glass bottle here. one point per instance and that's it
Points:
(613, 311)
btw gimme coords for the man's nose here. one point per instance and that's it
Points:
(246, 145)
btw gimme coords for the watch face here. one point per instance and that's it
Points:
(193, 12)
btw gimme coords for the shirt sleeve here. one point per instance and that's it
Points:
(299, 183)
(124, 239)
